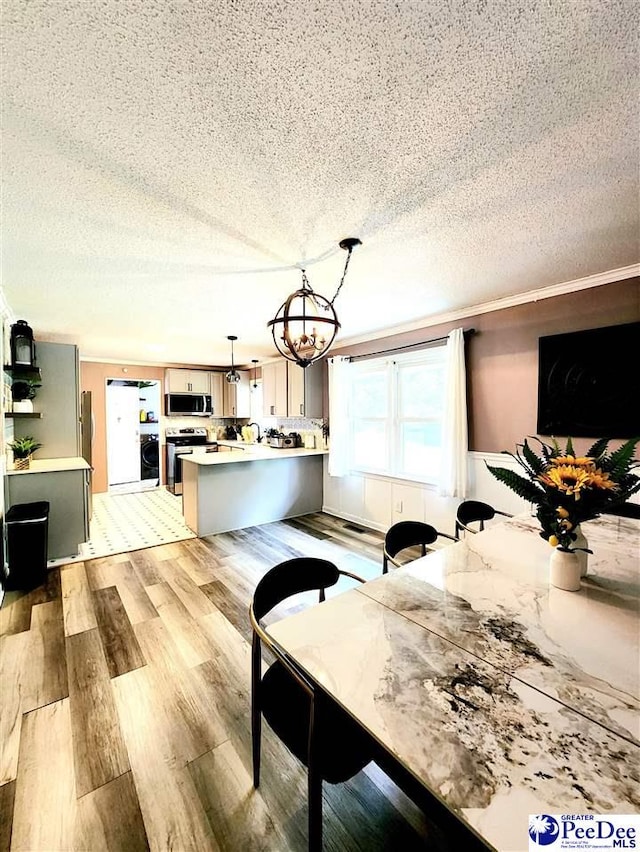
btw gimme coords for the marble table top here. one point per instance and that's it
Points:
(490, 595)
(478, 678)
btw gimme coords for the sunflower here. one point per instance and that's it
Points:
(577, 461)
(600, 479)
(567, 478)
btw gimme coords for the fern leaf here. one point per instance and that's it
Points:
(535, 463)
(620, 461)
(522, 487)
(595, 451)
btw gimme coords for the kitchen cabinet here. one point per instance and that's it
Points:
(291, 391)
(64, 483)
(237, 397)
(217, 393)
(304, 390)
(187, 381)
(274, 389)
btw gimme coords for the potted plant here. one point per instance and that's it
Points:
(22, 449)
(22, 392)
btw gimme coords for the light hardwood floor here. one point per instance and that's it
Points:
(125, 707)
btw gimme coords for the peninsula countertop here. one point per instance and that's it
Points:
(241, 452)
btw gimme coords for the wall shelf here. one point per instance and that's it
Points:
(24, 373)
(18, 415)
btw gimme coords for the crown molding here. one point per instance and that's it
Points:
(566, 287)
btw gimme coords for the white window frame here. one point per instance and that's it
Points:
(432, 356)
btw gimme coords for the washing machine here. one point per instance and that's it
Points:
(149, 457)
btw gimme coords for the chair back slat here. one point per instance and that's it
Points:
(473, 510)
(289, 578)
(408, 534)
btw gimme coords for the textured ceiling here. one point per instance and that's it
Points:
(168, 164)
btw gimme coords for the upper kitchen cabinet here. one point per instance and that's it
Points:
(237, 397)
(217, 393)
(304, 390)
(274, 389)
(187, 381)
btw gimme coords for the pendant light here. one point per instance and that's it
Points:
(254, 361)
(306, 323)
(233, 376)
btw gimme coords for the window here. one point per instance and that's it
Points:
(396, 410)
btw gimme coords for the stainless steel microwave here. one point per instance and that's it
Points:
(182, 404)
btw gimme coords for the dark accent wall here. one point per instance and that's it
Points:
(502, 357)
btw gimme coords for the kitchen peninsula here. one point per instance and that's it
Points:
(248, 486)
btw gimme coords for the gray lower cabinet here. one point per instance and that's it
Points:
(67, 492)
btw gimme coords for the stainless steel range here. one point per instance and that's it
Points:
(178, 443)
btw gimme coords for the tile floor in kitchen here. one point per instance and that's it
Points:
(122, 522)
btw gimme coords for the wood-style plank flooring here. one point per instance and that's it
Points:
(125, 689)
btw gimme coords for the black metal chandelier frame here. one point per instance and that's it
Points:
(316, 316)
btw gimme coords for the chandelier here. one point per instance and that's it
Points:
(233, 376)
(306, 323)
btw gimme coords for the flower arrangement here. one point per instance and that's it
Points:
(568, 489)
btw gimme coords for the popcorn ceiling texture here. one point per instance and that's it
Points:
(169, 165)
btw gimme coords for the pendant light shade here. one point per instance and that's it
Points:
(254, 361)
(233, 376)
(306, 323)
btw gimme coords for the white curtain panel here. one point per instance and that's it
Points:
(455, 439)
(339, 416)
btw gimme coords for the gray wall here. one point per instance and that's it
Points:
(58, 401)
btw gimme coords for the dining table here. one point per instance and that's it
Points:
(502, 697)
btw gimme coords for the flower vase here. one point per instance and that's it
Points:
(583, 556)
(564, 570)
(22, 463)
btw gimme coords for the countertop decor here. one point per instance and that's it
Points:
(568, 489)
(22, 449)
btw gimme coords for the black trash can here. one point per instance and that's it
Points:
(27, 539)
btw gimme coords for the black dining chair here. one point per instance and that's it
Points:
(323, 737)
(407, 534)
(473, 511)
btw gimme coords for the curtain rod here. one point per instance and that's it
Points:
(468, 332)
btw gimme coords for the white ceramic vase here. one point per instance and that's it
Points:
(583, 556)
(564, 570)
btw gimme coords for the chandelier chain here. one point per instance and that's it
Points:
(307, 285)
(344, 274)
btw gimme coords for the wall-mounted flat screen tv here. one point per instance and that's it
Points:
(589, 383)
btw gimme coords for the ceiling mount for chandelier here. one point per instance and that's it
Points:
(306, 323)
(233, 376)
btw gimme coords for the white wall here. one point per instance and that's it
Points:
(379, 502)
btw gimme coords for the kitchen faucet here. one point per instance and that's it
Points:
(257, 425)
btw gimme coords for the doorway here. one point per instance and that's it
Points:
(132, 413)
